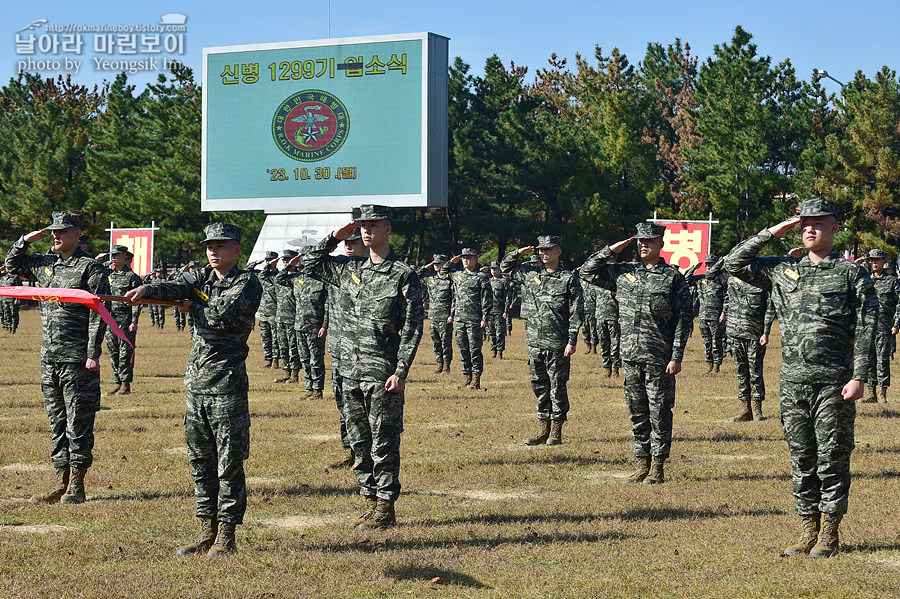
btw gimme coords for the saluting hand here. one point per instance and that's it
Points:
(295, 260)
(782, 228)
(34, 235)
(528, 249)
(346, 231)
(620, 245)
(455, 259)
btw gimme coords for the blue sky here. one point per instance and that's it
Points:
(842, 37)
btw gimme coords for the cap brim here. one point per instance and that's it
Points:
(545, 246)
(815, 214)
(57, 227)
(647, 236)
(208, 239)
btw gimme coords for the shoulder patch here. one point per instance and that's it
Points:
(48, 271)
(356, 279)
(791, 273)
(537, 280)
(631, 277)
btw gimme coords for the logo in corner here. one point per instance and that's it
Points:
(311, 125)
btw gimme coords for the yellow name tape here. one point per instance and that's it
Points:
(791, 274)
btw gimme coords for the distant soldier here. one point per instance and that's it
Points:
(440, 303)
(9, 306)
(267, 306)
(382, 329)
(217, 415)
(589, 326)
(472, 301)
(502, 297)
(748, 313)
(710, 289)
(83, 243)
(285, 315)
(121, 356)
(157, 313)
(609, 333)
(886, 326)
(70, 349)
(310, 297)
(655, 313)
(551, 332)
(827, 308)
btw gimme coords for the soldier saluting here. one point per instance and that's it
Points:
(826, 308)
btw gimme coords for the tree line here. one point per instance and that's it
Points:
(583, 151)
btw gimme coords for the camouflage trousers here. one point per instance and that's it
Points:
(287, 346)
(217, 433)
(497, 332)
(180, 319)
(157, 314)
(269, 337)
(337, 387)
(748, 367)
(818, 428)
(9, 311)
(312, 356)
(713, 333)
(590, 328)
(650, 397)
(72, 398)
(442, 339)
(880, 360)
(549, 372)
(374, 420)
(120, 355)
(609, 335)
(469, 339)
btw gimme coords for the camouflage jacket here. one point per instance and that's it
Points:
(749, 311)
(310, 296)
(654, 307)
(269, 301)
(502, 295)
(440, 294)
(472, 297)
(120, 282)
(382, 325)
(607, 306)
(285, 304)
(336, 307)
(826, 311)
(222, 324)
(557, 308)
(590, 299)
(886, 287)
(71, 332)
(711, 289)
(10, 280)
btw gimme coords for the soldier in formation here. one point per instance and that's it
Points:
(285, 316)
(157, 313)
(551, 332)
(710, 290)
(471, 309)
(310, 297)
(655, 313)
(382, 330)
(827, 309)
(502, 296)
(267, 306)
(440, 304)
(608, 331)
(886, 327)
(70, 349)
(217, 414)
(589, 326)
(9, 306)
(121, 356)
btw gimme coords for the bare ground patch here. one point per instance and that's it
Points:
(301, 522)
(21, 467)
(35, 528)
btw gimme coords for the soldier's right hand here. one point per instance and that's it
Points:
(782, 228)
(34, 235)
(346, 231)
(134, 295)
(528, 249)
(295, 260)
(455, 259)
(621, 245)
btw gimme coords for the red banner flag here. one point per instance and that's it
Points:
(686, 243)
(76, 296)
(140, 243)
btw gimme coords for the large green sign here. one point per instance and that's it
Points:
(326, 125)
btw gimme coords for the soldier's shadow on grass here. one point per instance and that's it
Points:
(537, 457)
(867, 548)
(306, 490)
(427, 573)
(884, 413)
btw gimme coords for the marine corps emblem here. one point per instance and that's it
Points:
(311, 125)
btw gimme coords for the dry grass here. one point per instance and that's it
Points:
(489, 516)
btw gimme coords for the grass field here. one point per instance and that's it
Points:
(487, 515)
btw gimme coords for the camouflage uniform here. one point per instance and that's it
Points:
(382, 328)
(827, 314)
(655, 315)
(608, 332)
(180, 317)
(72, 333)
(310, 296)
(558, 310)
(120, 354)
(710, 289)
(153, 309)
(589, 326)
(749, 313)
(472, 302)
(886, 287)
(501, 298)
(217, 415)
(285, 316)
(8, 306)
(267, 308)
(440, 303)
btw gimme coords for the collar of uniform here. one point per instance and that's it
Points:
(78, 253)
(383, 266)
(555, 273)
(827, 262)
(231, 274)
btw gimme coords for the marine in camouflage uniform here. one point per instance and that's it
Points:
(9, 306)
(180, 317)
(470, 312)
(310, 297)
(589, 326)
(886, 287)
(748, 313)
(608, 331)
(382, 330)
(121, 356)
(655, 314)
(827, 309)
(70, 349)
(440, 303)
(501, 298)
(285, 316)
(223, 302)
(551, 332)
(710, 290)
(153, 309)
(267, 308)
(526, 305)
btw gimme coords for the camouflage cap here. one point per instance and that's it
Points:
(64, 220)
(548, 241)
(711, 259)
(373, 212)
(271, 255)
(221, 232)
(357, 235)
(535, 259)
(816, 207)
(439, 258)
(288, 254)
(877, 253)
(468, 252)
(649, 231)
(495, 264)
(120, 249)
